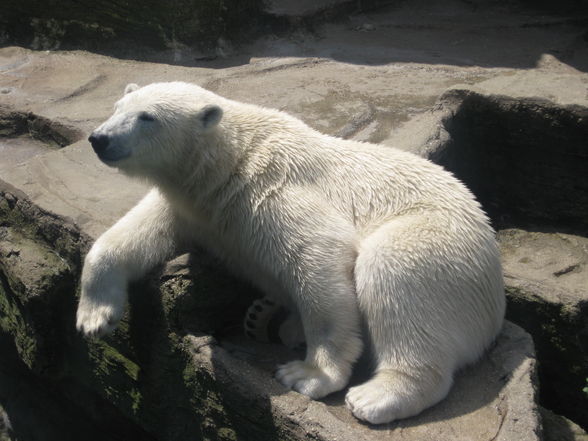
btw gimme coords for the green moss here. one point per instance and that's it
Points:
(226, 433)
(115, 376)
(137, 400)
(62, 238)
(10, 317)
(108, 358)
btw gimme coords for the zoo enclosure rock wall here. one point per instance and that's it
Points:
(525, 160)
(159, 377)
(113, 382)
(175, 24)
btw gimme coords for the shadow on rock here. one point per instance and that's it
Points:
(453, 33)
(188, 387)
(233, 376)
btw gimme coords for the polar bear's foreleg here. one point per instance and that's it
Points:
(327, 306)
(404, 295)
(333, 344)
(146, 236)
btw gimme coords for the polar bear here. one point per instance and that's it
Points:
(370, 245)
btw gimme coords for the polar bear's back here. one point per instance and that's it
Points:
(378, 182)
(367, 182)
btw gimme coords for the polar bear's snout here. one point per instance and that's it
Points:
(99, 142)
(107, 147)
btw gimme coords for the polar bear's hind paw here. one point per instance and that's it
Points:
(266, 321)
(392, 395)
(257, 318)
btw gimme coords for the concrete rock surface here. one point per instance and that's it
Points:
(380, 77)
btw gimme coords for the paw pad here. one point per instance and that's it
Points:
(258, 317)
(266, 321)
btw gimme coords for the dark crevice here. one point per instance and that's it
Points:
(40, 408)
(54, 134)
(526, 161)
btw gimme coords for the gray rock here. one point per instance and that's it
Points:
(559, 428)
(497, 407)
(5, 426)
(546, 276)
(302, 8)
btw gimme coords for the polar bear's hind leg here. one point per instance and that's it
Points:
(425, 311)
(393, 394)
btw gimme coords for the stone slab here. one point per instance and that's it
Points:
(557, 262)
(302, 8)
(493, 399)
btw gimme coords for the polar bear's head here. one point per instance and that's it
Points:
(156, 125)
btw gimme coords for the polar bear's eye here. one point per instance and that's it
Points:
(144, 116)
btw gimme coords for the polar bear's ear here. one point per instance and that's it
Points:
(131, 87)
(210, 116)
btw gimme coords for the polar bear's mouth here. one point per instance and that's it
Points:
(111, 156)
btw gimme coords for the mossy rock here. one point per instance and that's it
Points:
(145, 380)
(86, 24)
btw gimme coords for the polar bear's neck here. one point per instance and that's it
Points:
(234, 158)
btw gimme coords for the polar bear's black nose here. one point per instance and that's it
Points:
(99, 142)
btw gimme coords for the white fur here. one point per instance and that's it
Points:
(368, 243)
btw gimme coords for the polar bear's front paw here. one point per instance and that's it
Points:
(308, 379)
(97, 320)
